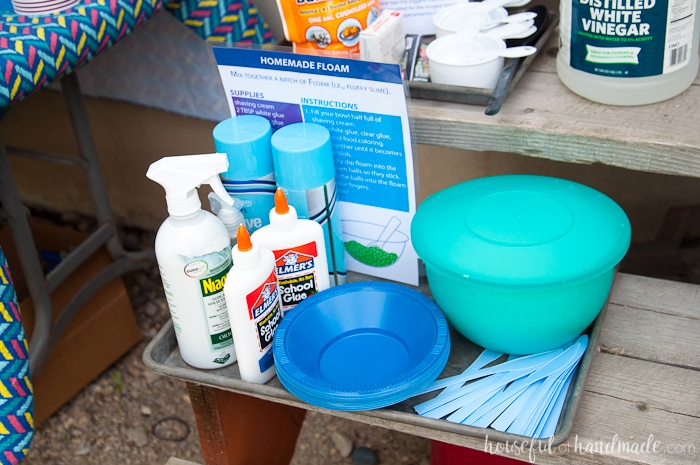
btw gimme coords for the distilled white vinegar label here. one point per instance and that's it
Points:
(627, 38)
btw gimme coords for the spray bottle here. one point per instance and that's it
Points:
(193, 251)
(253, 302)
(230, 215)
(300, 253)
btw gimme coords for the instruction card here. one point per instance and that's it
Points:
(363, 105)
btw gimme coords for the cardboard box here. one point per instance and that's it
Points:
(103, 330)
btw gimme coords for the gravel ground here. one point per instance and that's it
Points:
(133, 416)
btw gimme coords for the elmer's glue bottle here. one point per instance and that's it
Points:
(300, 253)
(252, 299)
(193, 251)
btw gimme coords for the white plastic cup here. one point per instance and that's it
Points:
(451, 62)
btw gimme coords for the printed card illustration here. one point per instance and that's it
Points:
(378, 244)
(374, 244)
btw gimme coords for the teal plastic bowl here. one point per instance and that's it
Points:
(520, 264)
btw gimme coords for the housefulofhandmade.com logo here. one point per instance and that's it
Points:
(530, 449)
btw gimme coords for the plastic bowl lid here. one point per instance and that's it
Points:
(361, 346)
(520, 229)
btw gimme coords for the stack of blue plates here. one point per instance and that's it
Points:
(361, 346)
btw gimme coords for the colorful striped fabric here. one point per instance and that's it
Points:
(16, 398)
(36, 50)
(222, 21)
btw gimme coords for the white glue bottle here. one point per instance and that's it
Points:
(193, 251)
(253, 302)
(300, 253)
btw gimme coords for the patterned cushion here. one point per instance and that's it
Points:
(16, 398)
(36, 50)
(222, 21)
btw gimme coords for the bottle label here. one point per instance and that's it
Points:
(258, 197)
(296, 274)
(627, 38)
(208, 273)
(215, 310)
(264, 309)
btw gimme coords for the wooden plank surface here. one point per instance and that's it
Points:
(671, 297)
(542, 118)
(651, 335)
(628, 403)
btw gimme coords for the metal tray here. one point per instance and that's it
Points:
(162, 356)
(474, 96)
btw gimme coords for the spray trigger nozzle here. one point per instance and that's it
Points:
(181, 175)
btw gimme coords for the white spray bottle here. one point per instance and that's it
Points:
(300, 253)
(253, 302)
(193, 251)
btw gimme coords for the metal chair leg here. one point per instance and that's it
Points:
(88, 153)
(46, 333)
(28, 257)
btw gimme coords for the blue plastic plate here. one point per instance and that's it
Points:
(361, 346)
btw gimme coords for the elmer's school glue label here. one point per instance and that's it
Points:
(264, 312)
(252, 299)
(299, 248)
(296, 273)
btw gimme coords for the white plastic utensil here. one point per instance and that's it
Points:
(518, 30)
(510, 52)
(470, 17)
(514, 18)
